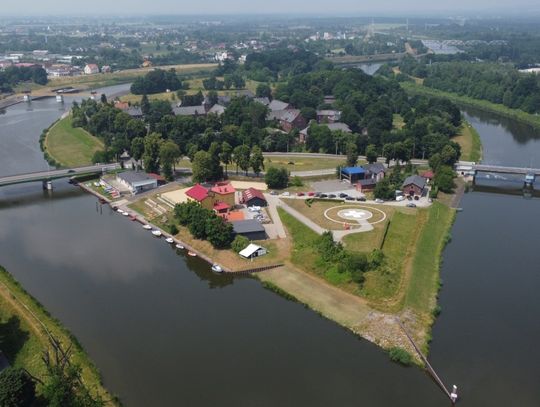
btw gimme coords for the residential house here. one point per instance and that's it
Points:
(106, 69)
(414, 185)
(91, 69)
(217, 109)
(277, 105)
(253, 197)
(136, 182)
(303, 135)
(288, 119)
(263, 101)
(189, 110)
(135, 112)
(375, 171)
(353, 174)
(250, 228)
(218, 197)
(328, 116)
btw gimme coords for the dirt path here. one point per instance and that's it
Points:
(346, 309)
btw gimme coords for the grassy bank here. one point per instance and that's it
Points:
(71, 147)
(24, 324)
(469, 140)
(516, 114)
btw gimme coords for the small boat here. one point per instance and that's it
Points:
(192, 254)
(125, 213)
(179, 247)
(156, 233)
(216, 268)
(132, 218)
(120, 211)
(147, 227)
(169, 240)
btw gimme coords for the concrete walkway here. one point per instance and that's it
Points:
(273, 201)
(338, 234)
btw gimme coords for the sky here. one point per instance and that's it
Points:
(334, 7)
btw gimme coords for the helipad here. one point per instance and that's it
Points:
(351, 214)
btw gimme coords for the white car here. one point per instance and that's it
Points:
(286, 193)
(254, 209)
(400, 198)
(379, 200)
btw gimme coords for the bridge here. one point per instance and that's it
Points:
(46, 176)
(469, 168)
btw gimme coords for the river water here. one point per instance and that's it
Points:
(166, 331)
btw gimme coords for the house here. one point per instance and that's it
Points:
(106, 69)
(121, 105)
(135, 112)
(366, 185)
(328, 116)
(263, 101)
(221, 208)
(329, 100)
(288, 119)
(211, 196)
(250, 228)
(217, 109)
(253, 251)
(375, 171)
(414, 185)
(136, 182)
(253, 197)
(303, 135)
(91, 69)
(189, 111)
(146, 64)
(353, 174)
(276, 105)
(428, 175)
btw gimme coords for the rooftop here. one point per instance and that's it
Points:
(247, 226)
(353, 170)
(132, 176)
(415, 180)
(197, 192)
(252, 193)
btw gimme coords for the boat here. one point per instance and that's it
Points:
(216, 268)
(147, 227)
(156, 233)
(179, 247)
(192, 254)
(125, 213)
(120, 211)
(169, 240)
(132, 218)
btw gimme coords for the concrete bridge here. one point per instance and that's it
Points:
(473, 169)
(46, 176)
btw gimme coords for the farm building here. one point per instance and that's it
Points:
(253, 197)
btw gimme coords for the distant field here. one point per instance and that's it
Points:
(71, 147)
(302, 163)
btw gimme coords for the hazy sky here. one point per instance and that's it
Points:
(333, 7)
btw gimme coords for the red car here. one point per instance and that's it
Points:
(311, 193)
(300, 194)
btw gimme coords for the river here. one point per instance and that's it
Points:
(165, 331)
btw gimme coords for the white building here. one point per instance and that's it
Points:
(136, 182)
(252, 251)
(91, 69)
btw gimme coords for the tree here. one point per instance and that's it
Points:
(371, 153)
(384, 190)
(239, 243)
(17, 389)
(168, 154)
(241, 157)
(145, 105)
(137, 148)
(435, 161)
(444, 179)
(103, 98)
(448, 155)
(256, 160)
(263, 90)
(215, 167)
(219, 233)
(352, 154)
(388, 152)
(202, 166)
(150, 157)
(276, 177)
(226, 155)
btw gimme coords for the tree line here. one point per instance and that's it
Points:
(13, 75)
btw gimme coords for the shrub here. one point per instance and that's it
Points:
(173, 229)
(16, 388)
(400, 355)
(239, 243)
(276, 177)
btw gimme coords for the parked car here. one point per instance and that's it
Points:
(379, 200)
(286, 193)
(361, 199)
(300, 194)
(332, 196)
(273, 193)
(411, 205)
(343, 195)
(311, 193)
(323, 196)
(254, 209)
(400, 198)
(317, 194)
(349, 198)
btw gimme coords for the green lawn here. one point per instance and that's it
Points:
(303, 163)
(71, 147)
(469, 140)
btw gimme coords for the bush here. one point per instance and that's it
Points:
(239, 243)
(16, 388)
(276, 177)
(401, 356)
(296, 181)
(173, 229)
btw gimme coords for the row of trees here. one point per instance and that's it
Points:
(229, 81)
(156, 81)
(13, 75)
(204, 224)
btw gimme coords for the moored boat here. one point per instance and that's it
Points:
(179, 247)
(125, 213)
(169, 240)
(156, 233)
(147, 227)
(216, 268)
(192, 254)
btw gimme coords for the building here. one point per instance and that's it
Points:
(217, 109)
(253, 251)
(414, 185)
(263, 101)
(288, 119)
(250, 228)
(353, 174)
(375, 171)
(106, 69)
(328, 116)
(136, 182)
(213, 197)
(276, 105)
(428, 175)
(303, 135)
(91, 69)
(189, 111)
(223, 192)
(253, 197)
(366, 185)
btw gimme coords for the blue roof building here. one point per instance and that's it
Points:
(353, 174)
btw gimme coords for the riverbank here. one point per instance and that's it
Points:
(469, 140)
(70, 146)
(28, 327)
(414, 88)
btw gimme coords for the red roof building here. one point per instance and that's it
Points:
(198, 193)
(253, 197)
(428, 175)
(221, 207)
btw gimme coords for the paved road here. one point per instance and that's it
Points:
(273, 201)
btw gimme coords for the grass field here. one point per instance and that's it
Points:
(24, 338)
(71, 147)
(302, 163)
(469, 140)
